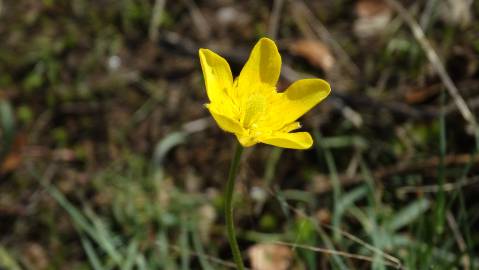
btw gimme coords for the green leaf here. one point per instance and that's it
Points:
(408, 214)
(7, 261)
(8, 127)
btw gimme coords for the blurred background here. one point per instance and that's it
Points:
(109, 159)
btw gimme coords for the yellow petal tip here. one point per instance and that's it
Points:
(265, 39)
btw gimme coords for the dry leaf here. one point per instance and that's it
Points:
(373, 17)
(64, 154)
(270, 257)
(14, 158)
(323, 215)
(35, 256)
(321, 183)
(371, 8)
(458, 12)
(420, 94)
(315, 52)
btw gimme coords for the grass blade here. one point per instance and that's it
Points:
(408, 214)
(91, 253)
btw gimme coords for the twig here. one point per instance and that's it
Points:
(302, 24)
(200, 22)
(436, 188)
(393, 260)
(402, 168)
(472, 102)
(466, 260)
(436, 63)
(275, 18)
(333, 252)
(325, 36)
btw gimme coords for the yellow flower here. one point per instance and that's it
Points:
(250, 107)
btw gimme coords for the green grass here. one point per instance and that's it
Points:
(148, 222)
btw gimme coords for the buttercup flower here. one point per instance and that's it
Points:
(250, 107)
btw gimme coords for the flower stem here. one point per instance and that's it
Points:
(229, 206)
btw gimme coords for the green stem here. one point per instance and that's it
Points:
(229, 206)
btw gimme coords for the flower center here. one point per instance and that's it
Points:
(254, 109)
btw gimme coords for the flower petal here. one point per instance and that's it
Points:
(217, 74)
(299, 98)
(263, 66)
(291, 126)
(226, 123)
(245, 140)
(297, 140)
